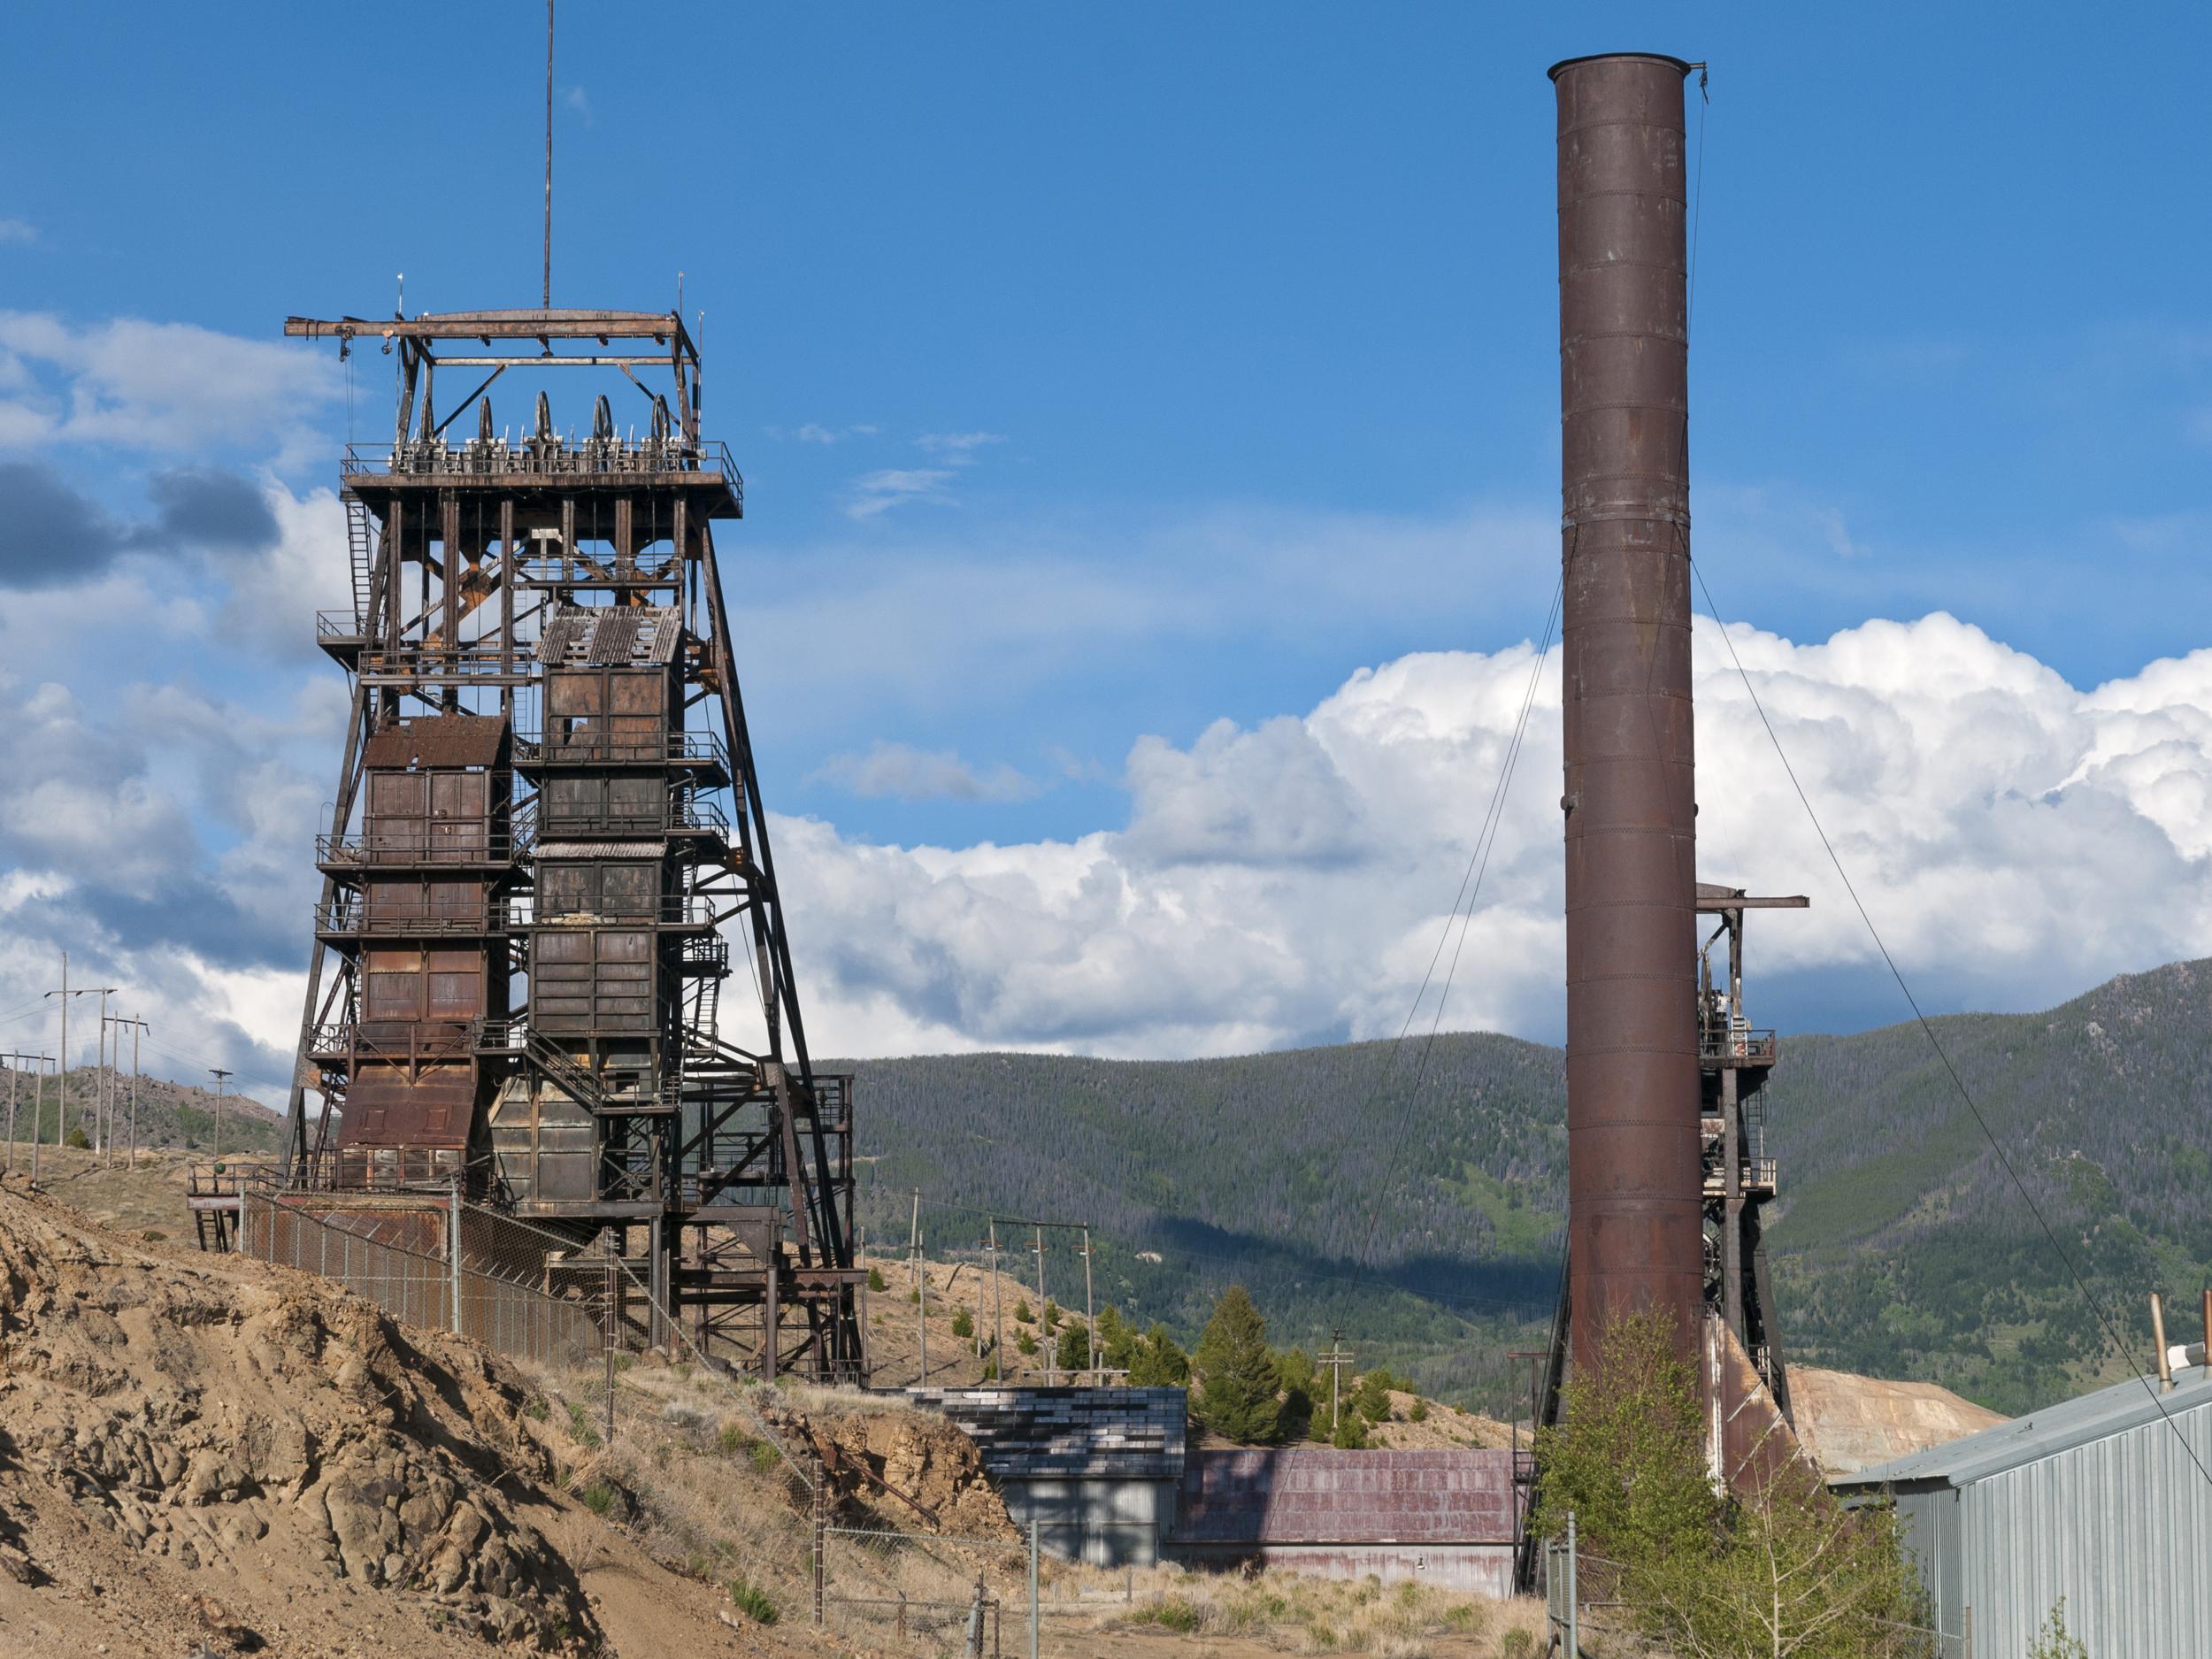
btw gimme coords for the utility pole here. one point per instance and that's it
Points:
(100, 1066)
(61, 1125)
(110, 1091)
(219, 1075)
(1089, 1319)
(1336, 1359)
(1041, 1306)
(983, 1295)
(137, 1026)
(38, 1118)
(998, 1306)
(921, 1288)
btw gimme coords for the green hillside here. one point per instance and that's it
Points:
(172, 1116)
(1426, 1223)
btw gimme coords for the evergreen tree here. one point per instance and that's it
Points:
(1236, 1398)
(1371, 1399)
(1158, 1361)
(1073, 1351)
(1116, 1339)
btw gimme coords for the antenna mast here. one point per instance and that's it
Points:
(546, 294)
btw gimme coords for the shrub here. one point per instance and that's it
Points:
(537, 1410)
(2053, 1640)
(597, 1498)
(1022, 1313)
(1350, 1434)
(766, 1458)
(76, 1138)
(580, 1427)
(1170, 1612)
(1026, 1342)
(1417, 1412)
(752, 1602)
(875, 1279)
(964, 1324)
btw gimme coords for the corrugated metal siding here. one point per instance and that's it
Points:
(2120, 1527)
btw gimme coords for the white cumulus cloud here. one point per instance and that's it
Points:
(2009, 832)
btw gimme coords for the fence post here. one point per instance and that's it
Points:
(1574, 1596)
(453, 1250)
(821, 1538)
(607, 1244)
(1966, 1617)
(1034, 1615)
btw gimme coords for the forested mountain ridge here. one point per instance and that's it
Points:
(1425, 1219)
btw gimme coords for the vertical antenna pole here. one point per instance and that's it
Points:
(547, 301)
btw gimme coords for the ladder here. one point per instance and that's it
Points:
(361, 544)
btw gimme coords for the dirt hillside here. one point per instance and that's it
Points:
(202, 1452)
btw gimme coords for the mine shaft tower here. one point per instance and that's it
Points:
(547, 813)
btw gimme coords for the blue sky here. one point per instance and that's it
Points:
(1102, 375)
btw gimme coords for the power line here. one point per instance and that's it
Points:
(1495, 822)
(1935, 1042)
(1257, 1268)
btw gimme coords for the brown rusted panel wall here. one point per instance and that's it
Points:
(1635, 1236)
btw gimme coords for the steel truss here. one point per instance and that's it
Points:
(597, 863)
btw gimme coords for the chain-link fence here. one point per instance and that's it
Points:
(547, 1298)
(402, 1259)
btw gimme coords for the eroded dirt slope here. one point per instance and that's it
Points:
(204, 1451)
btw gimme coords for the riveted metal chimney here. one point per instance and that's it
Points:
(1635, 1234)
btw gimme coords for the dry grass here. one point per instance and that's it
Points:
(1297, 1614)
(687, 1480)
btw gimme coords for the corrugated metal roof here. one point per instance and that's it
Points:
(437, 740)
(2041, 1434)
(607, 636)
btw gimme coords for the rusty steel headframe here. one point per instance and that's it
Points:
(1635, 1234)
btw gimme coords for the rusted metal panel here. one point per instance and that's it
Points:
(427, 1105)
(1312, 1495)
(1632, 1082)
(1755, 1439)
(437, 740)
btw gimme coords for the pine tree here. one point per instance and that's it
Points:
(1073, 1351)
(1117, 1341)
(1156, 1360)
(1237, 1374)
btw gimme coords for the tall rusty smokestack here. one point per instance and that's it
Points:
(1635, 1233)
